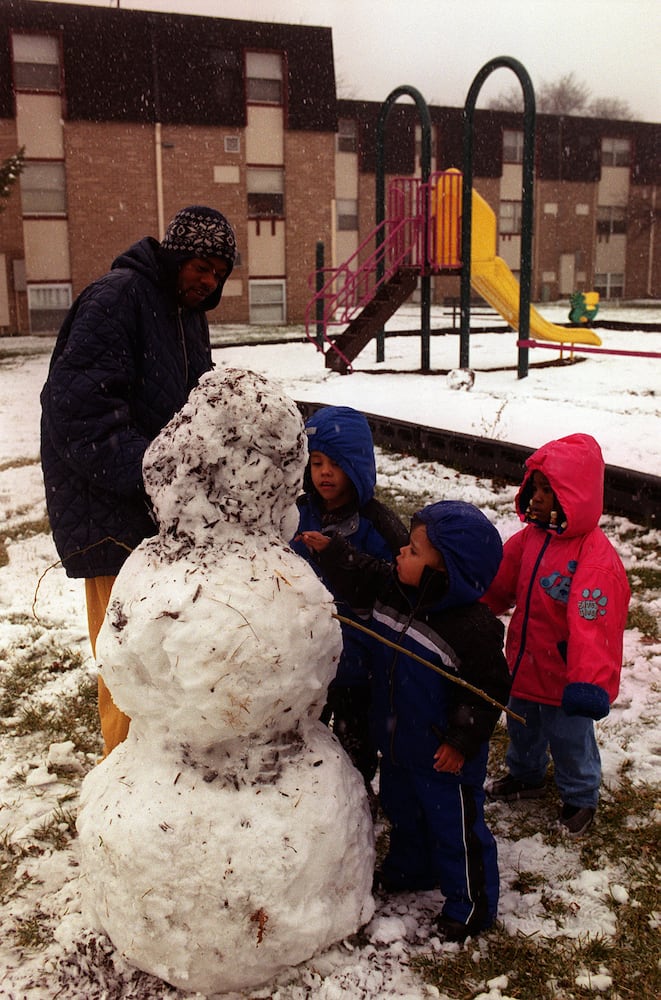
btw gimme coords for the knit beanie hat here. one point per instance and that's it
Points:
(198, 231)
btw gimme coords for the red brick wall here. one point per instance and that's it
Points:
(310, 188)
(11, 228)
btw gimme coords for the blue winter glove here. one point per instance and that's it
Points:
(588, 700)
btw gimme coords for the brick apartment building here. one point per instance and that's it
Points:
(126, 116)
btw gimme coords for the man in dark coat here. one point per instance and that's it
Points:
(131, 348)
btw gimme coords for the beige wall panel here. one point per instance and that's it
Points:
(611, 254)
(346, 245)
(227, 175)
(39, 125)
(510, 182)
(264, 136)
(46, 250)
(4, 292)
(266, 249)
(346, 175)
(614, 186)
(510, 250)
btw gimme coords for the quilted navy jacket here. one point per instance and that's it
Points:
(124, 362)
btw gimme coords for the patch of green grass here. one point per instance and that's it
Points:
(644, 578)
(34, 931)
(31, 665)
(74, 717)
(25, 529)
(624, 831)
(404, 504)
(58, 829)
(643, 620)
(625, 836)
(526, 882)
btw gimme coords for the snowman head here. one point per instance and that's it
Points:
(234, 455)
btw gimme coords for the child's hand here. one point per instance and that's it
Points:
(314, 540)
(448, 759)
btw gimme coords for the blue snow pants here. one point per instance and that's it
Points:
(439, 837)
(571, 742)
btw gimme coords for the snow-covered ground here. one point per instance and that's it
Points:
(42, 623)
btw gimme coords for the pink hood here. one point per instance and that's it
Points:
(574, 466)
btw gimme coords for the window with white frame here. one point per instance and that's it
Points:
(264, 77)
(36, 62)
(347, 136)
(611, 219)
(266, 192)
(267, 301)
(510, 218)
(347, 214)
(48, 304)
(610, 285)
(512, 146)
(43, 188)
(615, 152)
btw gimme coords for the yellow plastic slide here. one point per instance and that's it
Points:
(492, 279)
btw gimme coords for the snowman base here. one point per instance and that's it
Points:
(218, 872)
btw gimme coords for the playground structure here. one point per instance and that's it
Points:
(436, 224)
(354, 298)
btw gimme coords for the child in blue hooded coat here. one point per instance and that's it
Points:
(339, 500)
(433, 734)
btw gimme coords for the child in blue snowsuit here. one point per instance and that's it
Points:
(339, 500)
(433, 734)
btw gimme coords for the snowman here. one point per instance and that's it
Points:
(229, 837)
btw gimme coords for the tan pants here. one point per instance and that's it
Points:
(114, 724)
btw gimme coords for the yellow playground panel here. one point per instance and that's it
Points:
(490, 276)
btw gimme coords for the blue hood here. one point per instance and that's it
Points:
(343, 434)
(470, 545)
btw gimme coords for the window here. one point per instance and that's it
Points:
(48, 305)
(510, 218)
(43, 188)
(36, 62)
(609, 285)
(615, 152)
(264, 77)
(611, 219)
(347, 136)
(266, 198)
(512, 146)
(267, 301)
(232, 143)
(347, 214)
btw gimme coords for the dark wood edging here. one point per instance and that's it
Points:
(628, 493)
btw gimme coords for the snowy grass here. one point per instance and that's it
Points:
(578, 919)
(36, 712)
(543, 967)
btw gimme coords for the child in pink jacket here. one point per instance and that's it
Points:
(570, 596)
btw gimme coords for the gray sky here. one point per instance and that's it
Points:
(439, 46)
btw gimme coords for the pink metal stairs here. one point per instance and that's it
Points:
(387, 299)
(363, 293)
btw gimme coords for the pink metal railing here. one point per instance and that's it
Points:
(409, 238)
